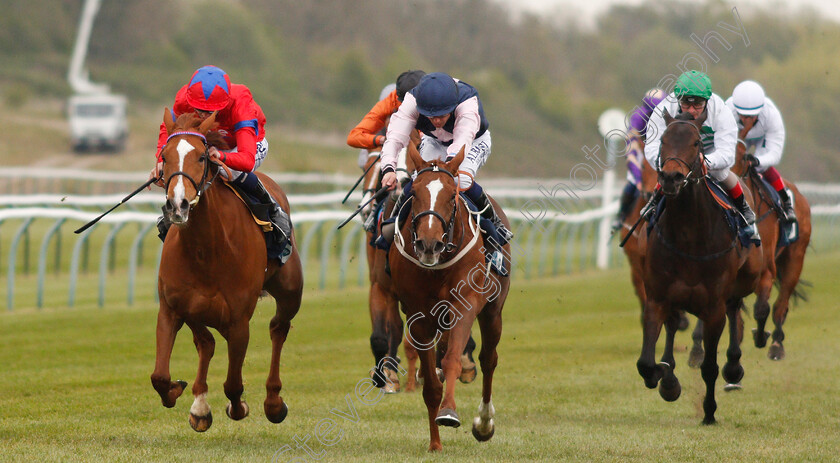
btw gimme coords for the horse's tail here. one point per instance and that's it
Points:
(800, 293)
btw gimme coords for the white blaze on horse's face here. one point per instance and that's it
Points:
(179, 192)
(434, 188)
(428, 254)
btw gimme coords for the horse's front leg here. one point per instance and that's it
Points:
(200, 416)
(712, 329)
(695, 358)
(419, 336)
(451, 363)
(733, 372)
(168, 324)
(761, 309)
(669, 387)
(652, 320)
(237, 336)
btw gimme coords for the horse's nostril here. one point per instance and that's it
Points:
(185, 204)
(418, 245)
(439, 246)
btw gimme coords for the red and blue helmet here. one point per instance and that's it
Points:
(209, 89)
(436, 94)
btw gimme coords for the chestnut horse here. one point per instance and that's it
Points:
(694, 262)
(443, 284)
(782, 264)
(386, 323)
(212, 270)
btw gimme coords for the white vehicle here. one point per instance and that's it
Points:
(98, 121)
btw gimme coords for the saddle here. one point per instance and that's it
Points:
(734, 219)
(275, 243)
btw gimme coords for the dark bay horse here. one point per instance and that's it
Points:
(212, 271)
(693, 262)
(783, 265)
(443, 284)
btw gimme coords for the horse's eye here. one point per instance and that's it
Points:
(202, 158)
(697, 143)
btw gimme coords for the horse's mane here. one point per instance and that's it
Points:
(189, 121)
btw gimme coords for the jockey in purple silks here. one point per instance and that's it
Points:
(635, 152)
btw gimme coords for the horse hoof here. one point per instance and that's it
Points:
(468, 376)
(448, 417)
(776, 351)
(728, 387)
(760, 338)
(276, 416)
(670, 392)
(708, 421)
(485, 432)
(391, 388)
(695, 358)
(201, 423)
(229, 409)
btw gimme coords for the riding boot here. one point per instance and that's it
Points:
(749, 217)
(625, 203)
(787, 205)
(163, 225)
(278, 218)
(482, 202)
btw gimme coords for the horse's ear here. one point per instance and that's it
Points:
(414, 161)
(208, 123)
(668, 118)
(168, 122)
(453, 165)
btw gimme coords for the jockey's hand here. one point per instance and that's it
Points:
(390, 180)
(214, 154)
(752, 160)
(157, 172)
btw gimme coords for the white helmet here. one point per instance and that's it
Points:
(748, 98)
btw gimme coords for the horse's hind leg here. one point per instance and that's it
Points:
(761, 309)
(381, 304)
(733, 372)
(468, 367)
(168, 324)
(789, 269)
(200, 416)
(237, 336)
(695, 357)
(288, 302)
(490, 323)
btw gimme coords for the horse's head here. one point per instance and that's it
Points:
(433, 208)
(186, 164)
(680, 152)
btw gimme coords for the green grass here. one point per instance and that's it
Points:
(76, 386)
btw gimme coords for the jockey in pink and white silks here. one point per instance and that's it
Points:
(450, 116)
(719, 133)
(765, 133)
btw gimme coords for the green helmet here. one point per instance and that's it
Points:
(693, 83)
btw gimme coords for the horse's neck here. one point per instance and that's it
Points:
(693, 216)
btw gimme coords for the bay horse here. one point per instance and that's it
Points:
(693, 261)
(213, 268)
(783, 264)
(386, 323)
(443, 284)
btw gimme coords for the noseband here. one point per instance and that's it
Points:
(203, 158)
(447, 226)
(691, 167)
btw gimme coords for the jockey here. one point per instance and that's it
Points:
(449, 114)
(693, 94)
(760, 125)
(368, 134)
(242, 123)
(635, 151)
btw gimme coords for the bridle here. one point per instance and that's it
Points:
(691, 177)
(203, 158)
(447, 226)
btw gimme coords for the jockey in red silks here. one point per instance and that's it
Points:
(242, 124)
(765, 131)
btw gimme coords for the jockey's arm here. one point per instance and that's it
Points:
(726, 136)
(366, 134)
(399, 133)
(467, 123)
(769, 153)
